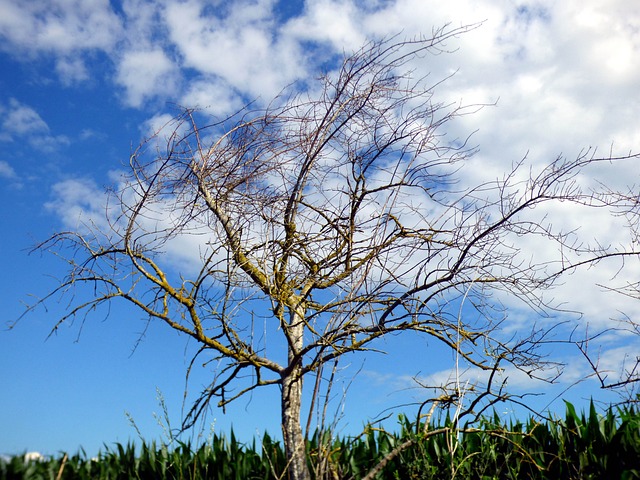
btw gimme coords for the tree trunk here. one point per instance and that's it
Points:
(292, 431)
(294, 443)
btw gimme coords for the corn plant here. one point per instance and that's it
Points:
(579, 446)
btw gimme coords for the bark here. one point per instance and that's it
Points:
(294, 442)
(292, 431)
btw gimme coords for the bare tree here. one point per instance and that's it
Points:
(625, 377)
(329, 219)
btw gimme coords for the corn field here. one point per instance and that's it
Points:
(580, 446)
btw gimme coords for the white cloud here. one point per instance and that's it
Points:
(72, 70)
(20, 119)
(337, 22)
(163, 126)
(143, 24)
(83, 207)
(60, 26)
(560, 72)
(145, 74)
(212, 94)
(79, 203)
(23, 122)
(69, 32)
(242, 45)
(89, 134)
(564, 74)
(156, 124)
(7, 171)
(616, 363)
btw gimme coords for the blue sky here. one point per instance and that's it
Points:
(83, 81)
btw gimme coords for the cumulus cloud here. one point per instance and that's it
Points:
(20, 121)
(85, 207)
(72, 70)
(7, 171)
(78, 202)
(59, 26)
(336, 22)
(550, 64)
(242, 45)
(562, 75)
(213, 94)
(145, 74)
(69, 32)
(156, 124)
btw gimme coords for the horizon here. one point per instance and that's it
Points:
(84, 82)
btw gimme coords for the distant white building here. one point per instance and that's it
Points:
(33, 457)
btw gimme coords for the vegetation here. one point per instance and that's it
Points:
(580, 446)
